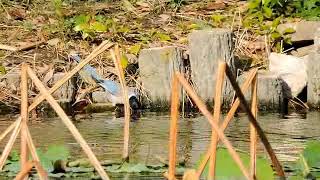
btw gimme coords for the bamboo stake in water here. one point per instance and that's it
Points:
(101, 48)
(24, 116)
(9, 129)
(228, 118)
(42, 173)
(175, 93)
(126, 132)
(65, 119)
(9, 145)
(253, 133)
(23, 174)
(252, 119)
(202, 107)
(216, 118)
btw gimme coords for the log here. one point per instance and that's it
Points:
(157, 67)
(207, 49)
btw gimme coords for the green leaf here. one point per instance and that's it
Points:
(163, 37)
(98, 27)
(45, 161)
(82, 19)
(12, 167)
(56, 152)
(226, 168)
(289, 31)
(267, 12)
(14, 156)
(275, 35)
(135, 49)
(124, 61)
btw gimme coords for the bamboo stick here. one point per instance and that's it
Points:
(101, 48)
(23, 174)
(65, 119)
(9, 145)
(24, 116)
(126, 130)
(9, 129)
(43, 175)
(229, 117)
(252, 119)
(202, 107)
(216, 118)
(253, 133)
(175, 93)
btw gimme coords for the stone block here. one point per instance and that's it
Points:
(67, 91)
(270, 92)
(304, 30)
(313, 71)
(207, 49)
(157, 66)
(100, 97)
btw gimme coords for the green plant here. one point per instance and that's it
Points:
(228, 169)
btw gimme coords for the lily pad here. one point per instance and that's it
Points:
(226, 168)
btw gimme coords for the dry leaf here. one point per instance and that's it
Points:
(48, 76)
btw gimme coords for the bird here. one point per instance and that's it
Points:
(112, 88)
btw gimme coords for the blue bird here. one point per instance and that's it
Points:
(112, 88)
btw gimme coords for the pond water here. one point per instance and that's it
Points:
(149, 136)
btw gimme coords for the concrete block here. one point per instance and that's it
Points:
(270, 92)
(207, 49)
(157, 66)
(304, 30)
(66, 91)
(313, 71)
(100, 97)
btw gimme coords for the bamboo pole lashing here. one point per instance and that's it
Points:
(252, 119)
(216, 118)
(65, 119)
(228, 117)
(202, 107)
(126, 130)
(253, 133)
(24, 116)
(175, 95)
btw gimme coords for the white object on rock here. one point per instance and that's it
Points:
(292, 70)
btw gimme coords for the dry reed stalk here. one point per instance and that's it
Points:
(9, 129)
(24, 116)
(175, 94)
(65, 119)
(203, 108)
(229, 117)
(253, 133)
(26, 168)
(126, 131)
(216, 118)
(252, 119)
(9, 145)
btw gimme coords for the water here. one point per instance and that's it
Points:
(149, 136)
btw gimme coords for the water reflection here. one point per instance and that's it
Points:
(149, 136)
